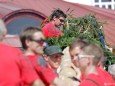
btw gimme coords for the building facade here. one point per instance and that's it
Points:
(108, 4)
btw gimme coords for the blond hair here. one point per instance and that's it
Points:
(95, 51)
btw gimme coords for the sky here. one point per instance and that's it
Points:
(86, 2)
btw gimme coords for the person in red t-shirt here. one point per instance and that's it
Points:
(53, 60)
(15, 70)
(87, 60)
(53, 28)
(76, 45)
(33, 42)
(53, 57)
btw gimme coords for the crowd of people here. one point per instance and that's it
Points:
(40, 65)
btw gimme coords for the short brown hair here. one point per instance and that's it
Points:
(28, 34)
(94, 50)
(58, 13)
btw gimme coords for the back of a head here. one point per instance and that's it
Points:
(93, 50)
(3, 30)
(58, 13)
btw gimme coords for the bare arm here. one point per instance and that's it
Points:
(57, 82)
(37, 83)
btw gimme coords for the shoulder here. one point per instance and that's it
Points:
(88, 83)
(4, 46)
(105, 74)
(91, 80)
(41, 61)
(48, 25)
(8, 48)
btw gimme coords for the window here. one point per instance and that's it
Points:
(106, 0)
(103, 6)
(17, 25)
(96, 0)
(96, 5)
(109, 6)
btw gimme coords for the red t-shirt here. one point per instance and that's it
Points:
(50, 31)
(46, 74)
(14, 68)
(102, 79)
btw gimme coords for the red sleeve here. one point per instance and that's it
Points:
(28, 73)
(45, 31)
(47, 75)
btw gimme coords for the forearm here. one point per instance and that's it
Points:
(57, 82)
(37, 83)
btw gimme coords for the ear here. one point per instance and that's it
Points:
(27, 42)
(54, 18)
(89, 61)
(99, 64)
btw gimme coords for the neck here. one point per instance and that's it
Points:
(51, 67)
(28, 52)
(91, 70)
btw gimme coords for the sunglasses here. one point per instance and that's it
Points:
(82, 56)
(61, 20)
(85, 56)
(40, 41)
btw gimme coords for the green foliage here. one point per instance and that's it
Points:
(85, 27)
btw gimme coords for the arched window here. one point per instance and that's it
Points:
(19, 21)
